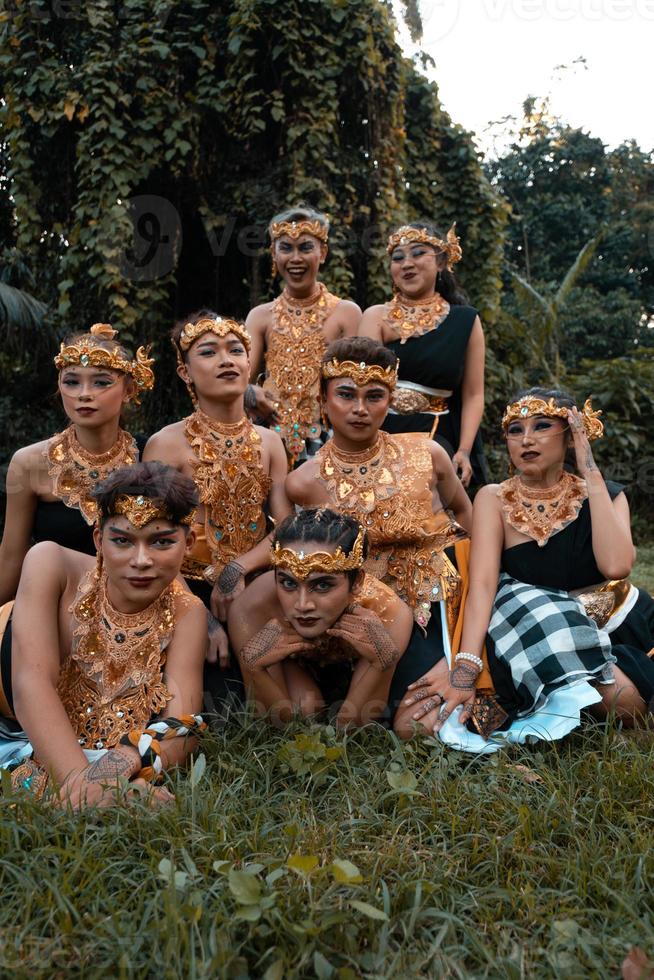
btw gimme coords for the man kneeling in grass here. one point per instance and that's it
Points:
(102, 661)
(317, 631)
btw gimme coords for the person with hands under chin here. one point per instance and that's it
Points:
(317, 631)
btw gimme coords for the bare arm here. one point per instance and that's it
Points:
(36, 660)
(487, 542)
(450, 488)
(183, 678)
(370, 324)
(349, 317)
(231, 580)
(380, 646)
(19, 521)
(162, 447)
(472, 400)
(611, 531)
(256, 324)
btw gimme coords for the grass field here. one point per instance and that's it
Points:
(304, 853)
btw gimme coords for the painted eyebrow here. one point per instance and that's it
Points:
(153, 534)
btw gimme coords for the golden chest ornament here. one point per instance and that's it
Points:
(232, 484)
(388, 489)
(74, 471)
(112, 682)
(539, 513)
(296, 346)
(413, 319)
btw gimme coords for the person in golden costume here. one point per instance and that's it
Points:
(49, 484)
(239, 468)
(550, 598)
(440, 342)
(398, 488)
(101, 659)
(293, 331)
(317, 631)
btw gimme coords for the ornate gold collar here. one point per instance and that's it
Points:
(75, 471)
(540, 513)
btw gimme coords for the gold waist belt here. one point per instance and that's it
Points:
(603, 601)
(409, 397)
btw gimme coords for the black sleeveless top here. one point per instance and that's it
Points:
(437, 360)
(54, 521)
(566, 561)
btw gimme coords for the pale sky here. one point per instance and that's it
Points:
(491, 54)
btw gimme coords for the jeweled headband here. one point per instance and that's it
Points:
(527, 407)
(221, 326)
(140, 510)
(406, 235)
(361, 373)
(301, 565)
(87, 352)
(296, 228)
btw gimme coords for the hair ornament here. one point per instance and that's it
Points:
(219, 325)
(529, 406)
(296, 228)
(88, 351)
(141, 510)
(450, 245)
(301, 565)
(362, 373)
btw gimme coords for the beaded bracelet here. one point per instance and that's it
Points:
(472, 658)
(147, 742)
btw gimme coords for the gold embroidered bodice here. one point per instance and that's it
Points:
(74, 471)
(388, 489)
(295, 349)
(112, 681)
(233, 486)
(540, 512)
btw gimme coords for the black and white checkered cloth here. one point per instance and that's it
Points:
(547, 641)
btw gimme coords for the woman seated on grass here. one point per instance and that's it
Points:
(101, 657)
(317, 630)
(549, 590)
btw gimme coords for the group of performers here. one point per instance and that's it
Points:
(304, 538)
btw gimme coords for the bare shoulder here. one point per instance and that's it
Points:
(270, 439)
(375, 311)
(29, 458)
(259, 317)
(441, 460)
(166, 444)
(253, 607)
(299, 481)
(487, 498)
(48, 564)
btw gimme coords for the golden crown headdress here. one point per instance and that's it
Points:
(219, 325)
(141, 510)
(88, 351)
(528, 406)
(301, 565)
(406, 235)
(361, 373)
(294, 229)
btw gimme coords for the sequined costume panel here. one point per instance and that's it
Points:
(295, 349)
(112, 681)
(74, 471)
(233, 487)
(388, 489)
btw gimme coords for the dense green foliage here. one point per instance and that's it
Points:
(127, 124)
(302, 854)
